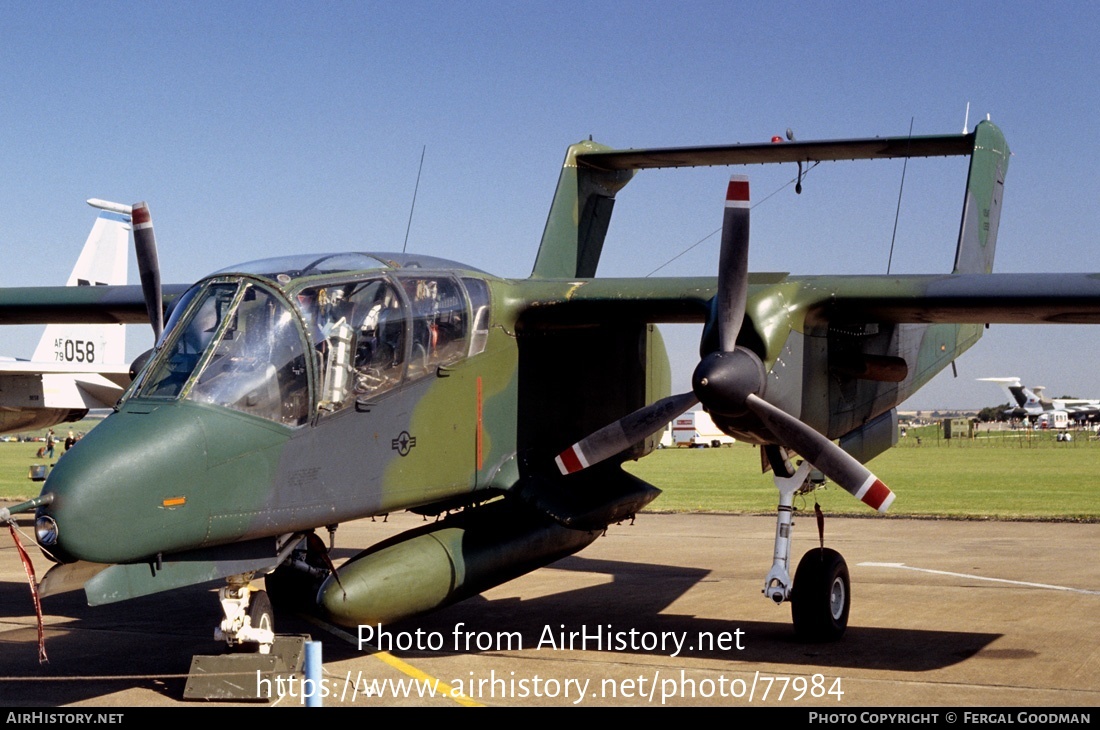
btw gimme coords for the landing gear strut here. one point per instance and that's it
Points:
(248, 615)
(820, 593)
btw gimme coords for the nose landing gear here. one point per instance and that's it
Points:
(249, 619)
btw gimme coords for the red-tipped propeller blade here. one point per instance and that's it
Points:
(621, 434)
(733, 263)
(826, 456)
(145, 245)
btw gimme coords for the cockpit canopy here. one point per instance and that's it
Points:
(235, 344)
(290, 345)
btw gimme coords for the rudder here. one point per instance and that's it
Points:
(982, 205)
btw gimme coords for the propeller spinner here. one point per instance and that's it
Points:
(731, 381)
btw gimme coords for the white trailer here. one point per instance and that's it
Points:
(1053, 420)
(695, 429)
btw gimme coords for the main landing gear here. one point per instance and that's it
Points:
(820, 594)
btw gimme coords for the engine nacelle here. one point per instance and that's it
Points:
(447, 561)
(872, 438)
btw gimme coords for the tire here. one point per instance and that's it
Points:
(821, 597)
(260, 611)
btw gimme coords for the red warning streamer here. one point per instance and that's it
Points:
(29, 568)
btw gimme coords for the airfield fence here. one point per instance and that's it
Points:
(990, 436)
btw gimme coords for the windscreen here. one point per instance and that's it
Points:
(238, 346)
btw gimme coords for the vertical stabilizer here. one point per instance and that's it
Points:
(579, 216)
(102, 261)
(1012, 388)
(1027, 400)
(982, 204)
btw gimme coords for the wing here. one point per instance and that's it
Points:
(917, 299)
(960, 298)
(79, 304)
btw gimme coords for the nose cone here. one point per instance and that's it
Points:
(723, 380)
(123, 492)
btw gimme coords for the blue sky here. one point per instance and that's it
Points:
(260, 129)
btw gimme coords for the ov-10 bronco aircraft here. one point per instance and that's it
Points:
(294, 394)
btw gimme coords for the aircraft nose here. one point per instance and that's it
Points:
(121, 493)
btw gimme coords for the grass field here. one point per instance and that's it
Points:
(999, 474)
(17, 457)
(1005, 483)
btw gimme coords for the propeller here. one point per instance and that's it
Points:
(145, 245)
(730, 382)
(612, 439)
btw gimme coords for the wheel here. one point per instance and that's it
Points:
(821, 596)
(259, 611)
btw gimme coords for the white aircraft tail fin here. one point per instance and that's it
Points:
(102, 261)
(1012, 388)
(1027, 400)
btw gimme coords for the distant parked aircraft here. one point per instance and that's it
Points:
(1030, 404)
(76, 367)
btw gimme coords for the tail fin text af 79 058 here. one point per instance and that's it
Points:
(75, 367)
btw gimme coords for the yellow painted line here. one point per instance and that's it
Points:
(415, 673)
(405, 668)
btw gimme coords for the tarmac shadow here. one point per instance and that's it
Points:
(636, 599)
(94, 651)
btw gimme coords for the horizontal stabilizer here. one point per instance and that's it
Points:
(876, 148)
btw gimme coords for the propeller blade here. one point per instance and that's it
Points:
(622, 434)
(145, 245)
(733, 263)
(829, 458)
